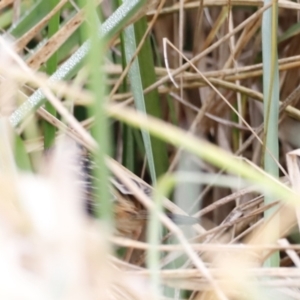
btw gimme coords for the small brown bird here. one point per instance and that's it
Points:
(130, 215)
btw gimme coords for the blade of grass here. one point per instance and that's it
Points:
(290, 32)
(151, 100)
(129, 144)
(107, 30)
(142, 75)
(128, 148)
(137, 90)
(271, 105)
(100, 130)
(32, 16)
(53, 27)
(20, 155)
(206, 151)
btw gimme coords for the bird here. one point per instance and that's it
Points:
(130, 216)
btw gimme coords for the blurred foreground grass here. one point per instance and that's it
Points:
(175, 98)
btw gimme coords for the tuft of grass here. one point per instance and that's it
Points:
(234, 105)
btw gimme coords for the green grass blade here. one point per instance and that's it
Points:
(271, 104)
(137, 90)
(142, 75)
(290, 32)
(107, 30)
(129, 145)
(152, 99)
(20, 155)
(53, 27)
(100, 130)
(207, 151)
(33, 16)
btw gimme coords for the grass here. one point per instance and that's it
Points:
(191, 98)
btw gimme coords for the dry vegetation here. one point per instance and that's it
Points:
(207, 91)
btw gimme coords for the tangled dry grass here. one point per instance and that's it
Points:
(208, 71)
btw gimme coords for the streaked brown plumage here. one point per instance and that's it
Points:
(130, 215)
